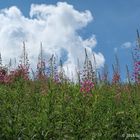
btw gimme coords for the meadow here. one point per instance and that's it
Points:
(49, 106)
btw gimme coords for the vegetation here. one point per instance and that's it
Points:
(50, 106)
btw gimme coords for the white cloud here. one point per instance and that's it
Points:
(55, 26)
(126, 45)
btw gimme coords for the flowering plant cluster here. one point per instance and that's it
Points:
(136, 73)
(52, 70)
(41, 70)
(20, 73)
(116, 78)
(87, 86)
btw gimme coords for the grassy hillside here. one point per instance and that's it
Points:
(51, 107)
(48, 110)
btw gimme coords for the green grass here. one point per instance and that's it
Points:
(45, 110)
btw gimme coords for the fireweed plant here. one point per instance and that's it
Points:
(116, 71)
(52, 107)
(87, 87)
(136, 59)
(116, 78)
(88, 77)
(21, 72)
(52, 70)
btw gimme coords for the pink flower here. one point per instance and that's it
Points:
(87, 86)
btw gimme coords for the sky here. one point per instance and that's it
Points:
(66, 27)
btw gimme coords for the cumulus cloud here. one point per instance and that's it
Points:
(126, 45)
(56, 26)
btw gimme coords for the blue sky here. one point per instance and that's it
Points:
(114, 24)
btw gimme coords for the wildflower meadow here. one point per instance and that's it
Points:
(45, 104)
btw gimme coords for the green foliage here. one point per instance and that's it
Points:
(48, 110)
